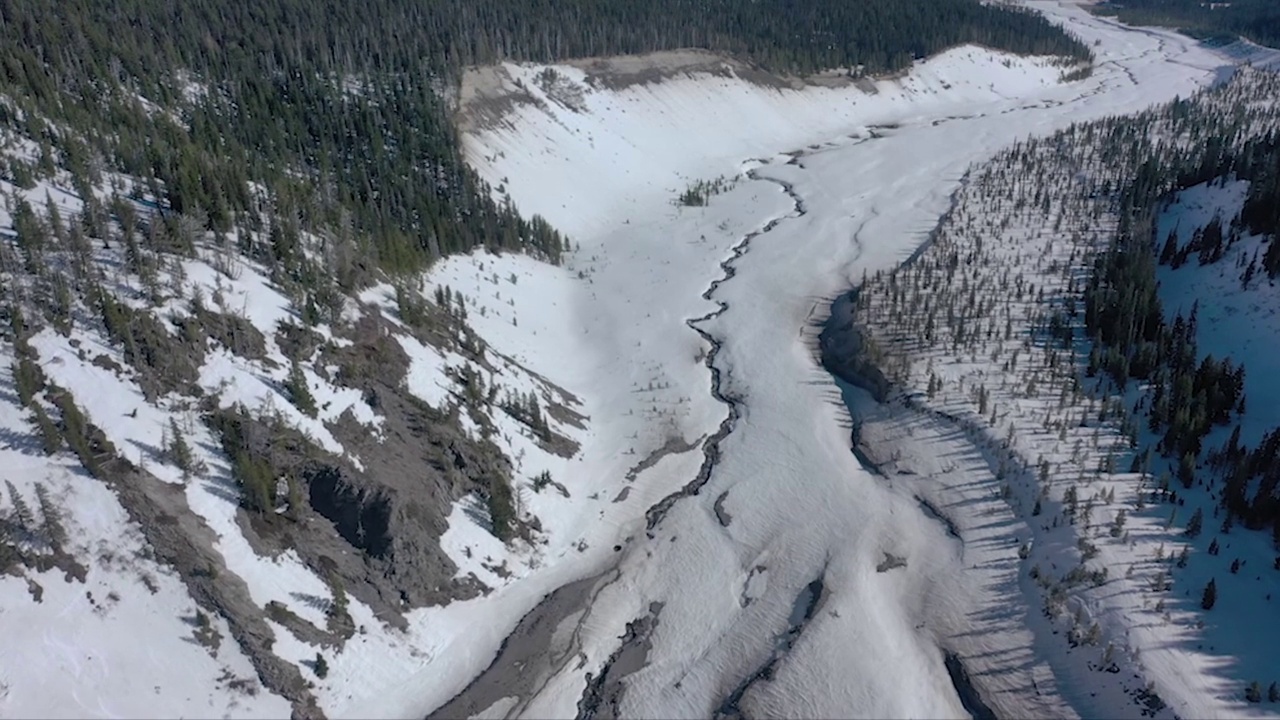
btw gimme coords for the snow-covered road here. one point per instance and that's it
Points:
(874, 172)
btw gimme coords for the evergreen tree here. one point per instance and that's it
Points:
(50, 437)
(1196, 523)
(1253, 693)
(27, 379)
(52, 527)
(21, 510)
(178, 451)
(299, 392)
(1210, 596)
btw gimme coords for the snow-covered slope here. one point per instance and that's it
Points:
(645, 142)
(121, 640)
(1235, 319)
(1038, 465)
(106, 618)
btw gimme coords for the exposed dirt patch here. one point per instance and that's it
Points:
(181, 539)
(233, 332)
(533, 652)
(163, 361)
(722, 515)
(673, 446)
(488, 94)
(602, 699)
(624, 71)
(297, 342)
(303, 629)
(374, 529)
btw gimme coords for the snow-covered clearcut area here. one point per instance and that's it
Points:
(1044, 468)
(661, 450)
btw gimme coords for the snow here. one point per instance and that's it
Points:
(654, 139)
(801, 504)
(109, 647)
(111, 402)
(111, 399)
(1233, 321)
(1199, 663)
(874, 171)
(426, 375)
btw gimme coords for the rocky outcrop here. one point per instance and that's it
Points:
(844, 348)
(370, 521)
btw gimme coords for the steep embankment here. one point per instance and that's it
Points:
(594, 143)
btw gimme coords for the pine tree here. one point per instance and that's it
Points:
(21, 510)
(340, 601)
(52, 527)
(1273, 693)
(257, 484)
(27, 379)
(321, 666)
(1117, 526)
(299, 393)
(1170, 248)
(50, 437)
(295, 498)
(1196, 523)
(75, 430)
(1210, 597)
(178, 451)
(1253, 693)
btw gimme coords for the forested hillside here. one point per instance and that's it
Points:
(1119, 439)
(341, 110)
(1195, 390)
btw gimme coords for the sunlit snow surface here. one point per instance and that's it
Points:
(877, 170)
(881, 173)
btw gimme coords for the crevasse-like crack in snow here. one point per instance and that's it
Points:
(593, 696)
(711, 447)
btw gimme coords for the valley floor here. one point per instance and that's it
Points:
(720, 582)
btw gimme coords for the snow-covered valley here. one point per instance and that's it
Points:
(787, 504)
(705, 541)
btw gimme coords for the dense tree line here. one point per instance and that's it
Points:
(341, 110)
(1190, 394)
(1258, 20)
